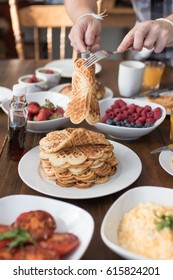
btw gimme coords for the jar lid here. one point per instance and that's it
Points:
(19, 90)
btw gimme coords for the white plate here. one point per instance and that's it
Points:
(108, 92)
(68, 217)
(66, 66)
(127, 201)
(5, 94)
(129, 169)
(165, 159)
(166, 92)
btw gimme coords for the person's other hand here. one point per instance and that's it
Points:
(85, 33)
(151, 34)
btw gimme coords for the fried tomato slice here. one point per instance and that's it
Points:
(38, 223)
(4, 242)
(5, 254)
(35, 252)
(62, 243)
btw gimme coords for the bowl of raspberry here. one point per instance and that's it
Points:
(33, 83)
(52, 74)
(129, 119)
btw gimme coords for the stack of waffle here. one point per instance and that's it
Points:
(83, 103)
(77, 157)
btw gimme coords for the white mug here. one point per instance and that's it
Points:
(130, 77)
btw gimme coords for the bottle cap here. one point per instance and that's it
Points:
(19, 90)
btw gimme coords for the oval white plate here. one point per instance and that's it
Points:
(108, 92)
(5, 94)
(166, 92)
(68, 217)
(127, 201)
(129, 169)
(166, 161)
(66, 66)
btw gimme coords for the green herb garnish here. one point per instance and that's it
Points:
(164, 221)
(18, 236)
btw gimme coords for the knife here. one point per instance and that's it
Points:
(154, 93)
(164, 148)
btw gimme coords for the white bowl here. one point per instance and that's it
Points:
(68, 217)
(127, 201)
(33, 87)
(53, 79)
(44, 126)
(127, 133)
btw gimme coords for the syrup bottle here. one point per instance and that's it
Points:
(17, 122)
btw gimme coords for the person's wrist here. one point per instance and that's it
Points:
(93, 15)
(165, 20)
(170, 44)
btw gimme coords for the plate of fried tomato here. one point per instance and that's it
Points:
(39, 228)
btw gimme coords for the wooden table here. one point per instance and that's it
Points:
(152, 172)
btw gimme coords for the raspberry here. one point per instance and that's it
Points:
(139, 109)
(147, 108)
(121, 102)
(111, 115)
(117, 111)
(150, 120)
(141, 120)
(150, 114)
(143, 113)
(157, 115)
(104, 119)
(135, 116)
(130, 118)
(132, 108)
(124, 108)
(108, 110)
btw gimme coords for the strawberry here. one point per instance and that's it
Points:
(42, 115)
(33, 109)
(49, 71)
(35, 103)
(30, 116)
(58, 113)
(32, 79)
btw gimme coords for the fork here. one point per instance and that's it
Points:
(99, 55)
(164, 148)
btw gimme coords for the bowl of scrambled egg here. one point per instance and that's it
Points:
(139, 225)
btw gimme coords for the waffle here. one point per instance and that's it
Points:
(100, 89)
(89, 160)
(83, 103)
(57, 140)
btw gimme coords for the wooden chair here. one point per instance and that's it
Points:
(37, 17)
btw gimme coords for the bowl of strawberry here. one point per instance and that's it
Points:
(52, 74)
(33, 83)
(128, 119)
(46, 111)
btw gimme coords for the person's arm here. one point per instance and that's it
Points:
(86, 30)
(76, 8)
(151, 34)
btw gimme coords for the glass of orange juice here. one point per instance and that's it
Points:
(153, 74)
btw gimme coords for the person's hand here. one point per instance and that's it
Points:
(151, 34)
(85, 33)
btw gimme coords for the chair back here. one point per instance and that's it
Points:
(39, 17)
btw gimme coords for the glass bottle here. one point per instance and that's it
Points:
(17, 122)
